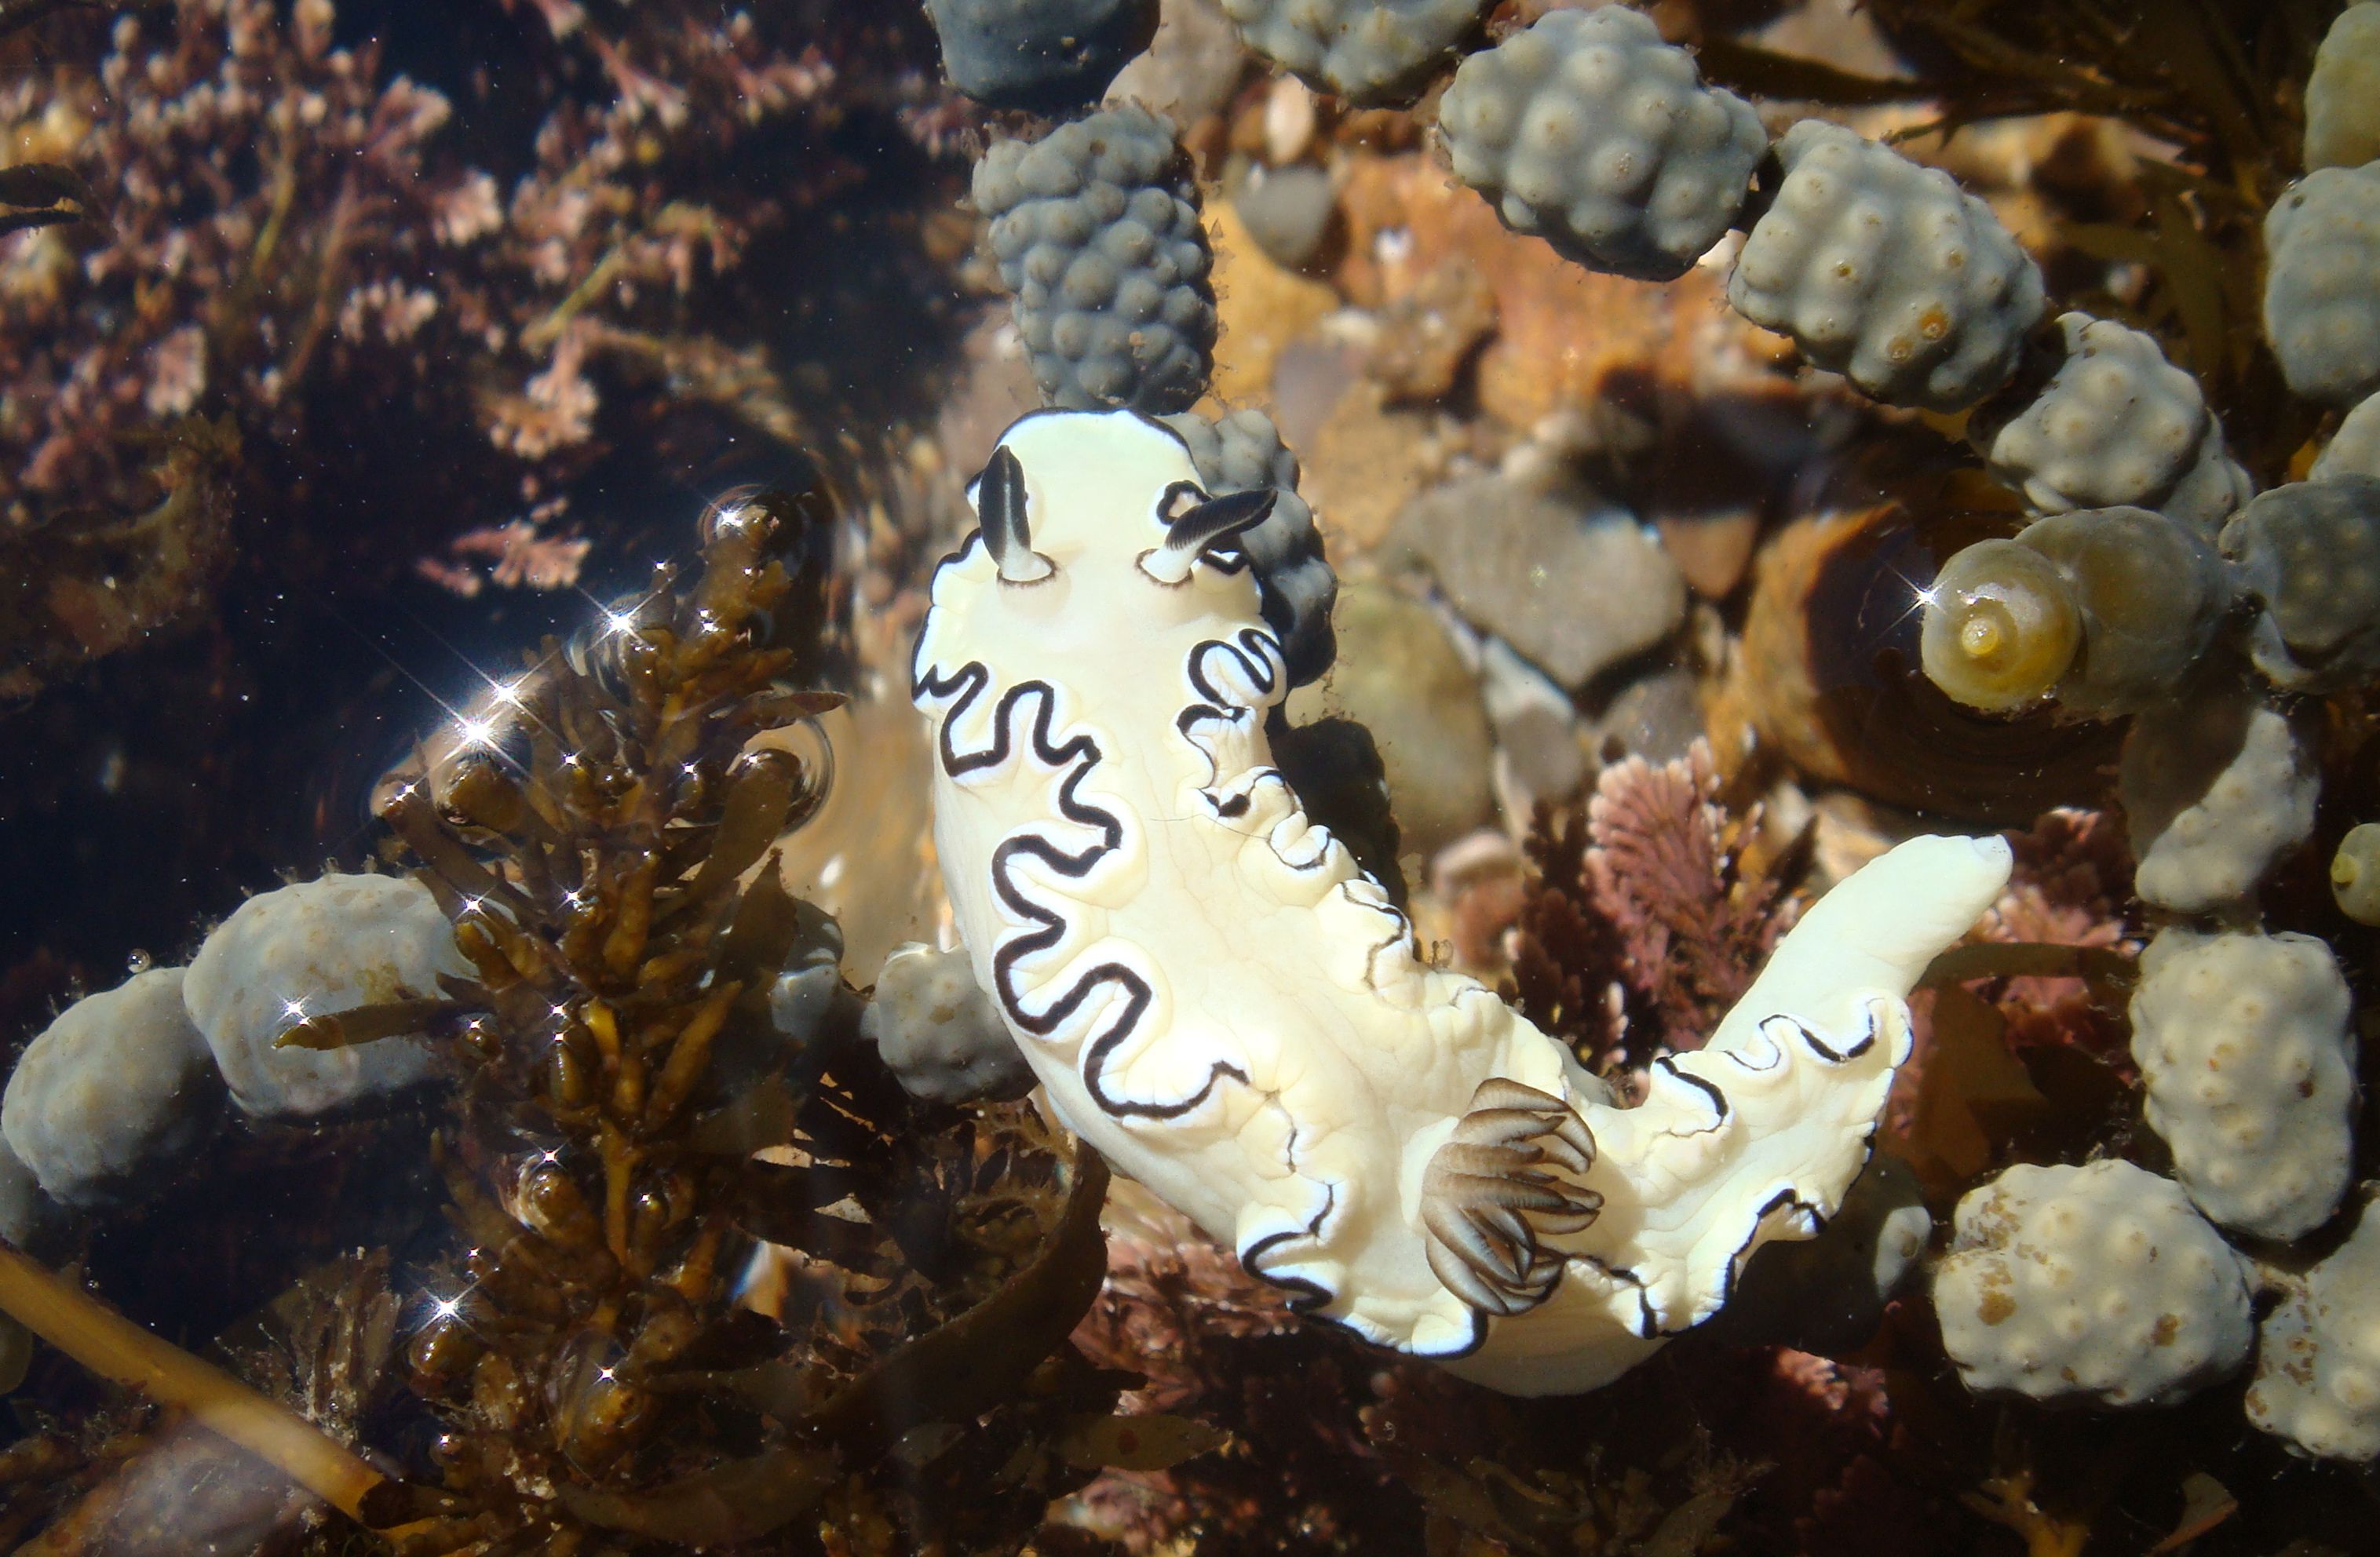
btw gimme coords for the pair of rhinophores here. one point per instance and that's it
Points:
(1221, 1002)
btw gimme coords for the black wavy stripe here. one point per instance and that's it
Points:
(1256, 653)
(1082, 754)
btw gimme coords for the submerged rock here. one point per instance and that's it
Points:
(1287, 210)
(1400, 677)
(1575, 584)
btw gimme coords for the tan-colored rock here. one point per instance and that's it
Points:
(1262, 307)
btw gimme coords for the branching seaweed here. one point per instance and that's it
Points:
(597, 1381)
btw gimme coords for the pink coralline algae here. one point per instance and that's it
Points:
(1646, 895)
(259, 188)
(297, 240)
(518, 557)
(2074, 876)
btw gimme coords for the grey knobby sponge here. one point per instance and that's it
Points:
(313, 950)
(112, 1092)
(2354, 449)
(1590, 132)
(2244, 1048)
(1369, 52)
(2322, 313)
(2096, 1280)
(2309, 553)
(1887, 273)
(1244, 450)
(1046, 54)
(2118, 426)
(2318, 1359)
(2217, 786)
(2342, 95)
(938, 1032)
(1095, 230)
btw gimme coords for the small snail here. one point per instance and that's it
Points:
(2001, 627)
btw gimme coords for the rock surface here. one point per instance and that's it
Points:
(1576, 585)
(1399, 676)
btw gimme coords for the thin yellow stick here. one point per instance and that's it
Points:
(115, 1348)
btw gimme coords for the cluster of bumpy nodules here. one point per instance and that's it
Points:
(1887, 273)
(1584, 128)
(1371, 53)
(2109, 1281)
(1044, 54)
(1590, 132)
(1242, 451)
(126, 1085)
(2119, 437)
(1095, 230)
(2118, 427)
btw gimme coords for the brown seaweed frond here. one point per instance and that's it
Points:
(614, 886)
(86, 582)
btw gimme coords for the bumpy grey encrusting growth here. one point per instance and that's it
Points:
(1242, 451)
(2354, 449)
(2322, 313)
(2217, 786)
(938, 1032)
(1045, 55)
(2098, 1281)
(2244, 1048)
(311, 949)
(112, 1092)
(2118, 426)
(2317, 1381)
(1590, 132)
(22, 1209)
(1369, 52)
(1887, 273)
(1095, 230)
(2342, 95)
(2309, 553)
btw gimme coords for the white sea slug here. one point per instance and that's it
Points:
(1230, 1010)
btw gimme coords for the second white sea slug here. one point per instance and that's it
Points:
(1221, 1002)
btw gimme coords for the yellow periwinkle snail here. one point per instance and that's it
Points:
(2355, 873)
(2105, 609)
(2001, 627)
